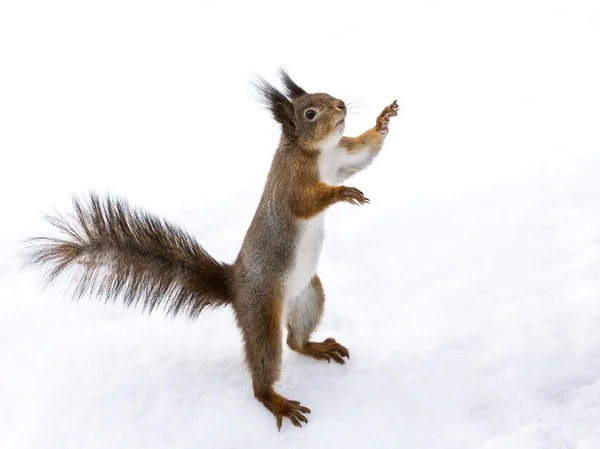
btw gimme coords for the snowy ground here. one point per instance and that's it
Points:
(468, 292)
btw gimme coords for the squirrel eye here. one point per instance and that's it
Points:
(310, 114)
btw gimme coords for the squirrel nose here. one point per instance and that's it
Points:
(340, 105)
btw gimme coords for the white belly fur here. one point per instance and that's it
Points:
(310, 242)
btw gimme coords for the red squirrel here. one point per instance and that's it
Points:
(111, 250)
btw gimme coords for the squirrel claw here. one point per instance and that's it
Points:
(353, 196)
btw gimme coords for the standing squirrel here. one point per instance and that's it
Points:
(115, 251)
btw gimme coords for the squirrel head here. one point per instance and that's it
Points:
(313, 120)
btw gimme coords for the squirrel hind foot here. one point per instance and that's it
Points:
(327, 350)
(283, 408)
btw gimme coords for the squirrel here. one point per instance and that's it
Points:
(114, 251)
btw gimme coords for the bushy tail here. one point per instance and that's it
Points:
(112, 251)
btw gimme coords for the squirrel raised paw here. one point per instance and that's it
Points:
(114, 251)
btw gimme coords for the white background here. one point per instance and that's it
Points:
(468, 291)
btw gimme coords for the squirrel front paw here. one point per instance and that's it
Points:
(383, 120)
(353, 196)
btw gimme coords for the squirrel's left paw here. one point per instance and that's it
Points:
(383, 120)
(353, 196)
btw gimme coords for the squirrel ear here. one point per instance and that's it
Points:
(278, 104)
(291, 88)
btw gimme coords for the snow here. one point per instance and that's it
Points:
(467, 291)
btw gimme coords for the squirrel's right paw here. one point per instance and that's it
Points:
(353, 196)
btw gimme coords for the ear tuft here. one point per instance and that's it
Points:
(291, 88)
(277, 103)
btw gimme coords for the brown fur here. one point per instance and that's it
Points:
(113, 251)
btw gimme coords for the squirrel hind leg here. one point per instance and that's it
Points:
(263, 350)
(303, 317)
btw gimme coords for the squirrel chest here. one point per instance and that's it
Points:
(311, 231)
